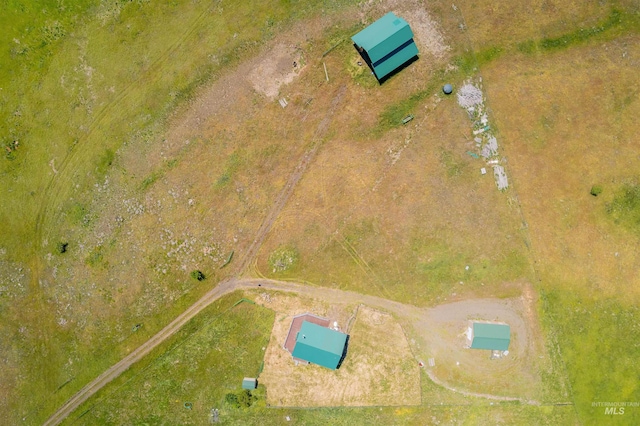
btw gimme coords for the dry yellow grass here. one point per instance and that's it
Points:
(402, 215)
(496, 22)
(398, 215)
(567, 121)
(379, 368)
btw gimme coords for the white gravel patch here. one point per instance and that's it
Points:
(470, 96)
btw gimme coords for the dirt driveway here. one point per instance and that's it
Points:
(423, 324)
(438, 333)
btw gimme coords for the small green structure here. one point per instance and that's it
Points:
(491, 336)
(249, 383)
(386, 45)
(320, 345)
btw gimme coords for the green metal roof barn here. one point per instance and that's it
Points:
(386, 45)
(490, 336)
(320, 345)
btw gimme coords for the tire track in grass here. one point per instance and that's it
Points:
(221, 289)
(103, 379)
(363, 264)
(80, 150)
(290, 185)
(54, 194)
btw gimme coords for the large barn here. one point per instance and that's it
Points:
(386, 45)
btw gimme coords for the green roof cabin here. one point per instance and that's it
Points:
(386, 45)
(320, 345)
(491, 336)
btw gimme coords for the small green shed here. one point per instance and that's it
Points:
(386, 45)
(249, 383)
(320, 345)
(490, 336)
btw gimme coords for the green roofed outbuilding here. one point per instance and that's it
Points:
(491, 336)
(386, 45)
(320, 345)
(249, 383)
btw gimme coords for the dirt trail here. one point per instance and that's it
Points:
(293, 180)
(54, 189)
(415, 316)
(86, 392)
(221, 289)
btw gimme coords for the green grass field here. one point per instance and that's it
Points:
(109, 201)
(193, 367)
(565, 132)
(200, 365)
(110, 75)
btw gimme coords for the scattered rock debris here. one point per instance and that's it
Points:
(471, 98)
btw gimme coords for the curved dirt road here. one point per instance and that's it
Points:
(221, 289)
(86, 392)
(417, 317)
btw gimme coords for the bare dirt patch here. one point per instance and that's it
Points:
(426, 30)
(518, 373)
(371, 374)
(279, 66)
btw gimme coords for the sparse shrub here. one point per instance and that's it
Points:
(51, 32)
(96, 257)
(149, 180)
(232, 399)
(596, 190)
(625, 207)
(242, 399)
(105, 161)
(10, 147)
(62, 247)
(246, 398)
(283, 258)
(198, 275)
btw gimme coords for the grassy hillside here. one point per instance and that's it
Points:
(79, 82)
(201, 365)
(138, 146)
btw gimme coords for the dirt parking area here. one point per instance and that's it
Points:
(516, 374)
(528, 373)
